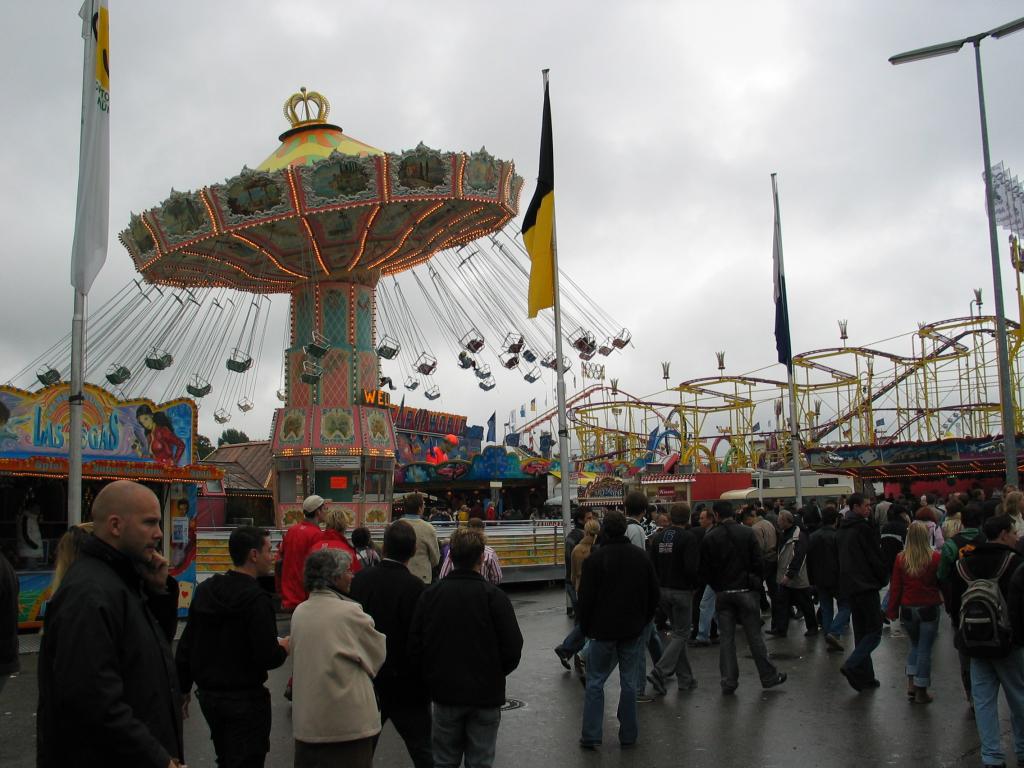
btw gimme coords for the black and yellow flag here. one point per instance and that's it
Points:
(539, 222)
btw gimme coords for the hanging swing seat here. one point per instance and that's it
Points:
(487, 384)
(282, 395)
(426, 364)
(622, 338)
(510, 361)
(198, 386)
(548, 361)
(529, 356)
(221, 416)
(532, 375)
(473, 341)
(606, 347)
(245, 405)
(433, 393)
(482, 371)
(411, 383)
(588, 354)
(465, 361)
(118, 374)
(311, 372)
(583, 341)
(318, 346)
(48, 376)
(159, 359)
(388, 347)
(513, 343)
(239, 362)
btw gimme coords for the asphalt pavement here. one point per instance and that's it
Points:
(814, 719)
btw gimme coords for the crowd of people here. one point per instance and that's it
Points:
(648, 584)
(420, 634)
(374, 636)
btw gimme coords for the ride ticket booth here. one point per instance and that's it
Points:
(122, 440)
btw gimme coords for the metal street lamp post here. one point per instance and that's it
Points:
(1002, 351)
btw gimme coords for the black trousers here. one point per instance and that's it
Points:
(413, 723)
(801, 598)
(239, 726)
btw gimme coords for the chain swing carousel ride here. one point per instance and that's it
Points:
(333, 223)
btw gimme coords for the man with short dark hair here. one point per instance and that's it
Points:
(108, 693)
(617, 600)
(861, 575)
(229, 644)
(389, 593)
(428, 553)
(997, 559)
(675, 553)
(730, 562)
(823, 573)
(465, 640)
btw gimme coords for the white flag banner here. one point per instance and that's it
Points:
(92, 216)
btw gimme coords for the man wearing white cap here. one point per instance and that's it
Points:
(291, 555)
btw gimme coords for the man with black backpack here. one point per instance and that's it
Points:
(985, 634)
(964, 542)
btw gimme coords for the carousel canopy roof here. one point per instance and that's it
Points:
(320, 207)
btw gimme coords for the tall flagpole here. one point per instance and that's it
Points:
(794, 433)
(563, 420)
(89, 249)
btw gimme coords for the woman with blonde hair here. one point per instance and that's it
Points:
(1013, 505)
(333, 537)
(914, 595)
(68, 547)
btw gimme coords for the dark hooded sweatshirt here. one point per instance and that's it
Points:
(230, 640)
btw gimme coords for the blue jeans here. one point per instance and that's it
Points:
(833, 622)
(469, 731)
(602, 656)
(573, 642)
(922, 624)
(673, 661)
(986, 677)
(707, 613)
(866, 611)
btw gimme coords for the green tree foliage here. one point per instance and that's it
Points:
(232, 437)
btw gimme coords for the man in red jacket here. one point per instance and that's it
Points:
(291, 556)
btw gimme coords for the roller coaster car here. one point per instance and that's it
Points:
(483, 371)
(510, 361)
(529, 356)
(198, 386)
(159, 359)
(245, 405)
(388, 347)
(239, 362)
(433, 393)
(513, 343)
(426, 364)
(411, 383)
(221, 416)
(583, 341)
(532, 375)
(465, 361)
(622, 338)
(318, 346)
(118, 374)
(473, 341)
(48, 376)
(606, 347)
(487, 384)
(311, 372)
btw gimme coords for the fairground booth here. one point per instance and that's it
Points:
(122, 440)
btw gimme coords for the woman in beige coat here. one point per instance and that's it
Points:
(336, 653)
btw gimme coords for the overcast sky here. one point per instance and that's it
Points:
(669, 118)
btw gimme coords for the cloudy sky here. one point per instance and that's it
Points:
(669, 118)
